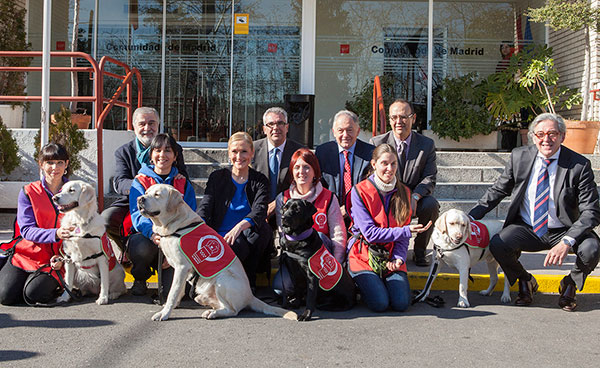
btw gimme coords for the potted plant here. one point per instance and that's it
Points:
(9, 159)
(66, 133)
(14, 38)
(575, 15)
(459, 109)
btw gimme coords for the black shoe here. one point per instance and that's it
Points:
(567, 290)
(420, 260)
(526, 290)
(139, 288)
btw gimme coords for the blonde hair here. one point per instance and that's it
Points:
(399, 203)
(241, 136)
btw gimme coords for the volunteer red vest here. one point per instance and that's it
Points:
(358, 257)
(208, 252)
(321, 203)
(327, 269)
(28, 255)
(147, 182)
(480, 237)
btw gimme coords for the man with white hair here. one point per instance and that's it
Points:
(353, 157)
(128, 161)
(554, 207)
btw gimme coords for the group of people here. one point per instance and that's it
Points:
(365, 194)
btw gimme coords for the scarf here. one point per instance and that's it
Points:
(142, 153)
(383, 187)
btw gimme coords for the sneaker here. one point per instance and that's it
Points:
(139, 288)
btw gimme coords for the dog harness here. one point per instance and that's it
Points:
(147, 181)
(27, 255)
(359, 255)
(107, 251)
(208, 252)
(321, 203)
(324, 265)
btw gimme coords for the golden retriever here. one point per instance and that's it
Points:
(228, 292)
(86, 264)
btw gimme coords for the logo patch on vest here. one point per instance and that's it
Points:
(321, 219)
(326, 268)
(480, 237)
(208, 252)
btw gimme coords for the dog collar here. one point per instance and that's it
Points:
(300, 236)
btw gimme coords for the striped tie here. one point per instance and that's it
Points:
(542, 198)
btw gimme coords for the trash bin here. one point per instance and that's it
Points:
(301, 118)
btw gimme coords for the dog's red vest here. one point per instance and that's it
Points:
(358, 257)
(28, 255)
(323, 265)
(480, 237)
(147, 182)
(208, 252)
(321, 203)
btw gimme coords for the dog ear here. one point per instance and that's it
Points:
(468, 236)
(87, 195)
(440, 223)
(175, 198)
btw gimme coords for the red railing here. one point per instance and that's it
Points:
(378, 107)
(97, 74)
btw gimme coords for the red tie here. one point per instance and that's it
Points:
(347, 174)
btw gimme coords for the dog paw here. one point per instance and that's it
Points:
(161, 316)
(306, 316)
(463, 303)
(486, 292)
(505, 298)
(102, 300)
(209, 314)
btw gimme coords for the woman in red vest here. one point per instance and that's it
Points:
(38, 235)
(328, 221)
(380, 211)
(142, 246)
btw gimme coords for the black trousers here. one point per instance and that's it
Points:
(14, 282)
(506, 246)
(143, 254)
(113, 217)
(428, 209)
(250, 248)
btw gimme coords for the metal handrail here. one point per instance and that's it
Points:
(378, 107)
(100, 112)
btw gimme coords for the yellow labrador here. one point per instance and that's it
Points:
(452, 230)
(86, 264)
(228, 292)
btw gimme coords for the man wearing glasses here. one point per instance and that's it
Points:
(272, 155)
(554, 207)
(417, 169)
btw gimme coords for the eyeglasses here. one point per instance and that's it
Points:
(553, 134)
(401, 117)
(274, 124)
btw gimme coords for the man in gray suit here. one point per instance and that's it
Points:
(554, 206)
(272, 155)
(353, 156)
(417, 169)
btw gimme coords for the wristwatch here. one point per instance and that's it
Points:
(416, 197)
(565, 241)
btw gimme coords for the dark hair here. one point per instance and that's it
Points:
(400, 202)
(163, 139)
(307, 156)
(53, 152)
(401, 100)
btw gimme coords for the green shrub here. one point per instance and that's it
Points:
(9, 159)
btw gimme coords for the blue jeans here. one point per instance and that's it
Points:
(380, 293)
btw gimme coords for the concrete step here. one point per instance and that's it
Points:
(487, 159)
(466, 205)
(460, 191)
(201, 170)
(205, 155)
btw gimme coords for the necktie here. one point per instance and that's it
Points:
(347, 175)
(402, 158)
(542, 198)
(273, 171)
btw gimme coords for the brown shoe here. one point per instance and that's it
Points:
(526, 290)
(567, 300)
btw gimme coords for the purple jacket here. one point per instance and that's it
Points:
(26, 219)
(375, 234)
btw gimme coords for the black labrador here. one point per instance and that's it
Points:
(298, 244)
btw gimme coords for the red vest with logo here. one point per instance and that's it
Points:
(480, 237)
(327, 269)
(28, 255)
(147, 182)
(358, 257)
(321, 203)
(208, 252)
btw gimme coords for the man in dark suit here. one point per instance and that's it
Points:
(128, 161)
(554, 207)
(417, 169)
(272, 155)
(353, 156)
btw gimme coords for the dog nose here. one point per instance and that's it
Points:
(55, 198)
